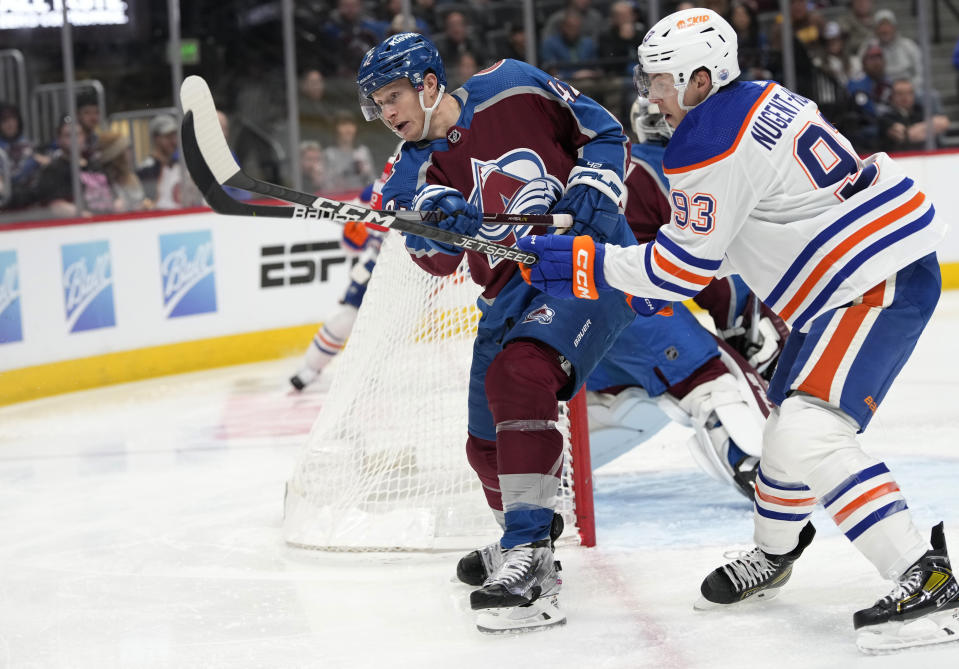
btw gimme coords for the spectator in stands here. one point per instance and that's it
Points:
(88, 114)
(350, 165)
(721, 7)
(753, 45)
(466, 67)
(902, 55)
(55, 182)
(834, 58)
(515, 46)
(458, 38)
(593, 22)
(313, 168)
(570, 54)
(858, 24)
(316, 112)
(396, 21)
(869, 91)
(955, 63)
(24, 166)
(806, 24)
(348, 35)
(617, 46)
(161, 173)
(902, 124)
(116, 160)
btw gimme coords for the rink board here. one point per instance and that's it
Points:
(98, 301)
(85, 304)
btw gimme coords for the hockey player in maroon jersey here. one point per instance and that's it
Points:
(513, 139)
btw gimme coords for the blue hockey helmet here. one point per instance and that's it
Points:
(408, 55)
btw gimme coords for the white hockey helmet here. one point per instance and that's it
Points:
(648, 121)
(682, 43)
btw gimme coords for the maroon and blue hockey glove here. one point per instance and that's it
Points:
(593, 212)
(461, 217)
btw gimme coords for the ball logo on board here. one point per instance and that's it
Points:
(88, 286)
(11, 326)
(187, 272)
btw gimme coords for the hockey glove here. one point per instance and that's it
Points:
(355, 236)
(461, 217)
(649, 306)
(568, 266)
(593, 212)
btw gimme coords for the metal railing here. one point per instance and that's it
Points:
(49, 104)
(13, 83)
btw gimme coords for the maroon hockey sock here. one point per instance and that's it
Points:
(521, 387)
(481, 454)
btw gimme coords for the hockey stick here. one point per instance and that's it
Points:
(211, 164)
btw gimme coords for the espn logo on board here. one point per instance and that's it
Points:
(11, 325)
(301, 263)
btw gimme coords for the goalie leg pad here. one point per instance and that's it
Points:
(619, 422)
(728, 431)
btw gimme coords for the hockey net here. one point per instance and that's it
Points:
(385, 465)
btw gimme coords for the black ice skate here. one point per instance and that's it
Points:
(756, 574)
(521, 595)
(922, 609)
(476, 566)
(303, 378)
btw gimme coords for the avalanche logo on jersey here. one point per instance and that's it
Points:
(88, 286)
(515, 183)
(187, 271)
(542, 315)
(11, 329)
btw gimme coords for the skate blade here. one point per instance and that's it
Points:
(703, 604)
(935, 628)
(540, 615)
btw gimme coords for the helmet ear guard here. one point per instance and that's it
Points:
(684, 42)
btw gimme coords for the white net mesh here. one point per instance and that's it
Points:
(385, 467)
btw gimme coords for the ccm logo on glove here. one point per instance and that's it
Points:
(584, 254)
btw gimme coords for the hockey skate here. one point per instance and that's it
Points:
(303, 378)
(476, 566)
(754, 574)
(922, 609)
(521, 595)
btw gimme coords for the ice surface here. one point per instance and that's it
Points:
(140, 527)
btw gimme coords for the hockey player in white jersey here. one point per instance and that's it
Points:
(364, 245)
(841, 248)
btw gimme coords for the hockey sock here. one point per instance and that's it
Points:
(330, 338)
(864, 500)
(481, 454)
(521, 387)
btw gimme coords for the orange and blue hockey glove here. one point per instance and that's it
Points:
(355, 236)
(568, 266)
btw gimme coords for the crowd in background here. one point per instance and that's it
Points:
(851, 59)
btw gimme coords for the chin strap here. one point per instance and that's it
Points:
(429, 111)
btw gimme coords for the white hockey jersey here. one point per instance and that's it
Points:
(763, 186)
